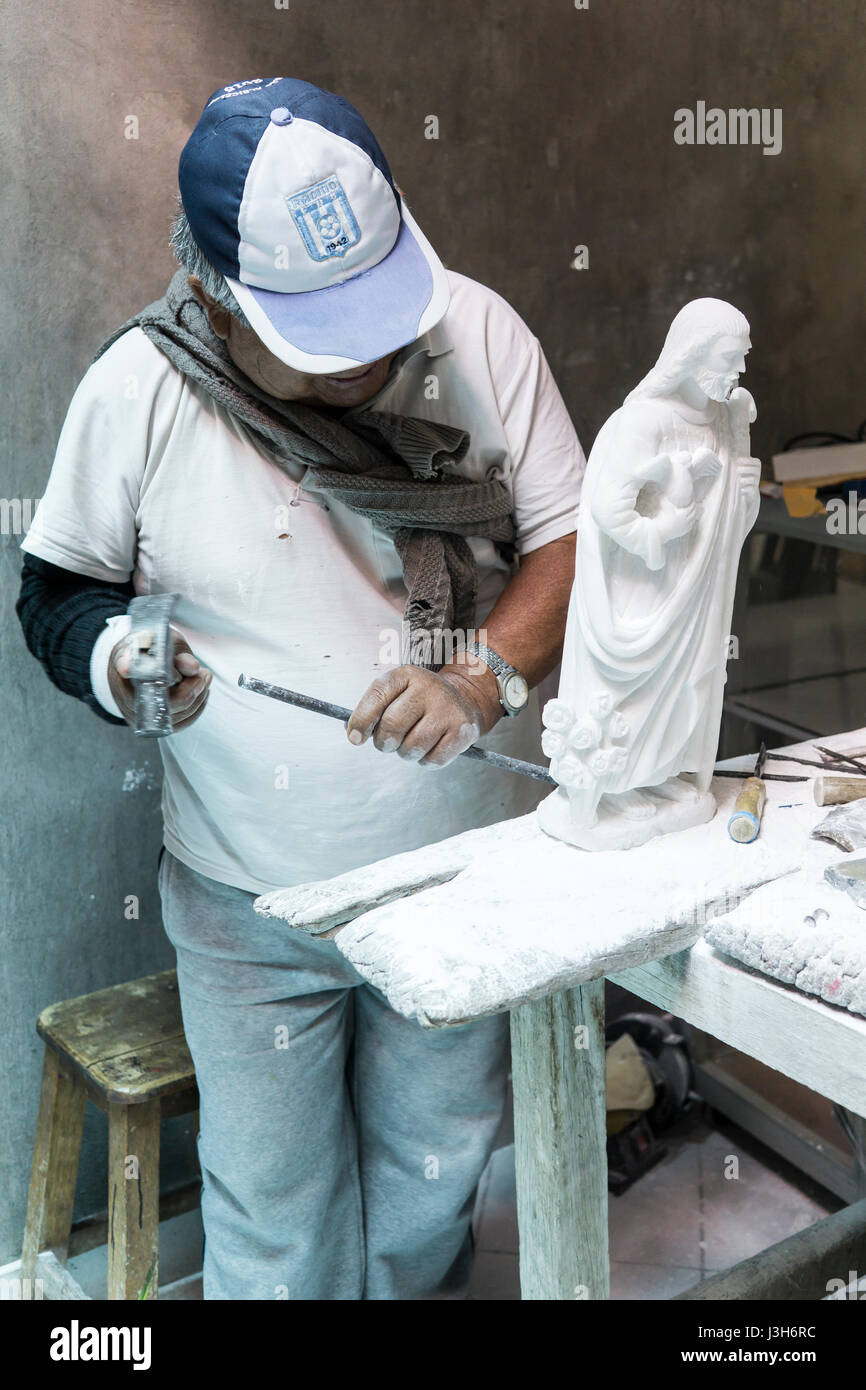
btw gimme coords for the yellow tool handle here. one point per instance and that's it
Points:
(745, 821)
(836, 791)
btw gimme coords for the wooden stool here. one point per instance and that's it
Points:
(124, 1049)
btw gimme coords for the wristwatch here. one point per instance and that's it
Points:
(513, 687)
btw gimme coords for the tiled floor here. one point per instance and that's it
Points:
(678, 1223)
(681, 1221)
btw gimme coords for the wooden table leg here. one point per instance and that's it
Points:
(560, 1144)
(55, 1164)
(857, 1126)
(133, 1200)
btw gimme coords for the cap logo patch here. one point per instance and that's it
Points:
(323, 216)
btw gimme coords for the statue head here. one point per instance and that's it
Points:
(707, 344)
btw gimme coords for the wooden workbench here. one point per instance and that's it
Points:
(506, 918)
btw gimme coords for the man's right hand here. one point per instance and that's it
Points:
(187, 699)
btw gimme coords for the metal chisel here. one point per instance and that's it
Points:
(500, 760)
(308, 702)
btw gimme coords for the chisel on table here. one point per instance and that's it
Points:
(745, 821)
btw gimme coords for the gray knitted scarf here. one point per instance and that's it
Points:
(386, 467)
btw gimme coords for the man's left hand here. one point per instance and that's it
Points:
(424, 716)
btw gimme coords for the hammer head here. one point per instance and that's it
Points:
(151, 667)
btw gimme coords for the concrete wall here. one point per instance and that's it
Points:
(555, 129)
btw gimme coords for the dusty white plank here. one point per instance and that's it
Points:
(817, 1044)
(320, 907)
(533, 915)
(491, 919)
(558, 1065)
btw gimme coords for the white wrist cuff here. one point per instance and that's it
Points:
(115, 628)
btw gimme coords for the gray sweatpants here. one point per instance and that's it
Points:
(340, 1144)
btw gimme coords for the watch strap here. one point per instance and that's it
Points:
(497, 664)
(502, 670)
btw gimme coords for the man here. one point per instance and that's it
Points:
(322, 441)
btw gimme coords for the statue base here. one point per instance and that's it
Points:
(630, 818)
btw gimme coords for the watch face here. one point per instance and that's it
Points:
(516, 691)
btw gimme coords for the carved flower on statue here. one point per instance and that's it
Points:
(585, 733)
(557, 716)
(582, 745)
(571, 772)
(617, 726)
(601, 706)
(616, 759)
(599, 763)
(553, 744)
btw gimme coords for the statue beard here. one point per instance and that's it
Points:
(718, 386)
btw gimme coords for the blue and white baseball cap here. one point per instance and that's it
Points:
(289, 196)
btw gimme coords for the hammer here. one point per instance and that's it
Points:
(151, 667)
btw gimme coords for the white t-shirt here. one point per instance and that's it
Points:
(153, 480)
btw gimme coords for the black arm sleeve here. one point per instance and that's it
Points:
(61, 615)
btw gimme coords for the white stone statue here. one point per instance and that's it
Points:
(670, 494)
